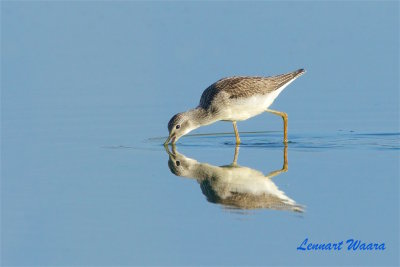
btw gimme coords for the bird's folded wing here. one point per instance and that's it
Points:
(239, 87)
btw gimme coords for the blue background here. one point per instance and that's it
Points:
(87, 89)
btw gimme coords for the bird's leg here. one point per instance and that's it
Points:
(236, 133)
(285, 165)
(285, 119)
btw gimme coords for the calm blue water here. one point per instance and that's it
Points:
(88, 89)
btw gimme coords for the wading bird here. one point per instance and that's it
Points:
(233, 99)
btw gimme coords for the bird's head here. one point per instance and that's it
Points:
(179, 125)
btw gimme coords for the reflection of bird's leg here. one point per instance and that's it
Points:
(285, 124)
(236, 132)
(285, 160)
(235, 157)
(285, 165)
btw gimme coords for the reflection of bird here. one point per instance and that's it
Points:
(234, 186)
(233, 99)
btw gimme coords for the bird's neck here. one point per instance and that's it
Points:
(200, 117)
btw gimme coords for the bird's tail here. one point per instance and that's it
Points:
(283, 79)
(298, 73)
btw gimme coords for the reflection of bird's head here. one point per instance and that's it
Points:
(179, 164)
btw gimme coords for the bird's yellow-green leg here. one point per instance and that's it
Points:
(285, 124)
(236, 132)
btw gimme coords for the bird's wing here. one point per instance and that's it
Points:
(280, 80)
(237, 87)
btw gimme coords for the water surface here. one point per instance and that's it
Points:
(88, 89)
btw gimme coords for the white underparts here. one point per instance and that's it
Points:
(242, 109)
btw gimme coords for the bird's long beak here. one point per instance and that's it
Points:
(171, 136)
(167, 141)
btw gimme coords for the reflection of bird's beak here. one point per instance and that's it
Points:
(173, 152)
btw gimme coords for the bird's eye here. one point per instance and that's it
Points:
(178, 126)
(178, 163)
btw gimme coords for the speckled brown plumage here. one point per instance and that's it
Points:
(249, 202)
(238, 87)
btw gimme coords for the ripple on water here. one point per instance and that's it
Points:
(304, 142)
(308, 142)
